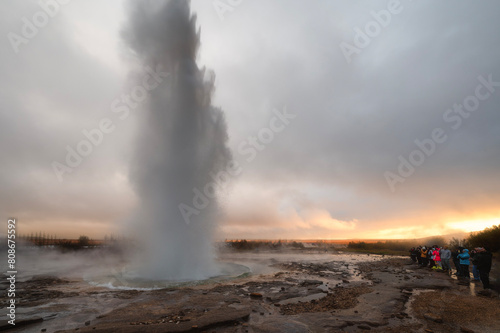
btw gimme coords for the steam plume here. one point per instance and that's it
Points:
(182, 140)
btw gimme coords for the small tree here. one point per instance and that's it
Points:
(83, 241)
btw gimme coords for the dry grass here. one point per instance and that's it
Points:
(459, 309)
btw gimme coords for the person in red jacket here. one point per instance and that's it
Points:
(437, 258)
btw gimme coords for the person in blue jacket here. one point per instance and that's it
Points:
(464, 263)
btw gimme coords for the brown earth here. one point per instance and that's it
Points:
(390, 295)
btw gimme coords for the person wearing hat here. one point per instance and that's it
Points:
(483, 260)
(423, 255)
(456, 261)
(464, 263)
(473, 259)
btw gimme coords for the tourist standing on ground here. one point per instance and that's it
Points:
(423, 255)
(413, 255)
(483, 259)
(464, 263)
(456, 261)
(475, 272)
(437, 257)
(445, 259)
(430, 257)
(418, 252)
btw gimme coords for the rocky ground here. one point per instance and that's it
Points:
(389, 295)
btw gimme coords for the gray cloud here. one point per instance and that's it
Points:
(353, 120)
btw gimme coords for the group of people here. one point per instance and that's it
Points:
(438, 258)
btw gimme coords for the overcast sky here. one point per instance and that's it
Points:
(359, 90)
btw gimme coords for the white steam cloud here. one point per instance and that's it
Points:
(182, 141)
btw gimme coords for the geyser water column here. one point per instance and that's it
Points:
(180, 146)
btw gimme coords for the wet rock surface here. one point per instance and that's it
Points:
(339, 298)
(385, 295)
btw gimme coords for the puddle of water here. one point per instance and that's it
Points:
(472, 288)
(472, 283)
(121, 280)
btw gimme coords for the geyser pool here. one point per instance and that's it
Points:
(128, 280)
(181, 142)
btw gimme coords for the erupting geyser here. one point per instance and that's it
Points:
(181, 145)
